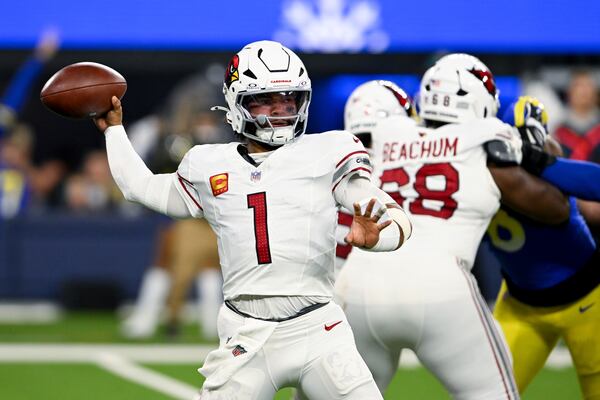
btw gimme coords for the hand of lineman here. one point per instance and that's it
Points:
(112, 118)
(364, 231)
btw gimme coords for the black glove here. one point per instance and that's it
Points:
(535, 159)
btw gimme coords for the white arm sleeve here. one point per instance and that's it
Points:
(361, 190)
(137, 182)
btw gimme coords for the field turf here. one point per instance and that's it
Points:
(56, 379)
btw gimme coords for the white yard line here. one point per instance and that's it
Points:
(124, 368)
(121, 359)
(29, 313)
(145, 353)
(167, 354)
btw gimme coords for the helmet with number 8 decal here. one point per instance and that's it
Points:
(373, 101)
(458, 88)
(254, 75)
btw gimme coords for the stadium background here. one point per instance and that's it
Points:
(91, 263)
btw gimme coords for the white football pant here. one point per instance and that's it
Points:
(314, 352)
(441, 317)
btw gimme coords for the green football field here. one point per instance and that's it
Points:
(82, 356)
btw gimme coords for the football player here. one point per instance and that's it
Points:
(450, 174)
(369, 103)
(272, 203)
(551, 287)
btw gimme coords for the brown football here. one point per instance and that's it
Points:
(83, 90)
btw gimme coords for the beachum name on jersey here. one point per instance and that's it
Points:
(439, 147)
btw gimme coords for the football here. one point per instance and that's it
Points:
(83, 90)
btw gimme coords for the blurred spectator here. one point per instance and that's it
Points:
(579, 133)
(22, 182)
(544, 91)
(19, 87)
(93, 189)
(15, 189)
(185, 120)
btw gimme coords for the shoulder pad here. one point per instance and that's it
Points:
(502, 152)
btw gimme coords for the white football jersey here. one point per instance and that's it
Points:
(440, 178)
(275, 222)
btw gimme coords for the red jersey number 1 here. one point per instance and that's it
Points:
(258, 202)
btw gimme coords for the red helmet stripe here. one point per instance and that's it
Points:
(402, 99)
(487, 78)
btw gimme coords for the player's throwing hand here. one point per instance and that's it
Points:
(364, 231)
(111, 118)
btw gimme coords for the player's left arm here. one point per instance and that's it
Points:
(542, 155)
(576, 178)
(530, 195)
(521, 190)
(371, 205)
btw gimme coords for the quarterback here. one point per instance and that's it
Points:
(450, 174)
(272, 203)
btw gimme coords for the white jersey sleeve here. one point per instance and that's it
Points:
(188, 173)
(136, 181)
(485, 130)
(351, 158)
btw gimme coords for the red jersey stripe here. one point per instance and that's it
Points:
(350, 155)
(184, 186)
(349, 172)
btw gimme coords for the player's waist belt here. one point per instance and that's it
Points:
(565, 292)
(303, 311)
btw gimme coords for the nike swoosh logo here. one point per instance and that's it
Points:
(330, 327)
(584, 309)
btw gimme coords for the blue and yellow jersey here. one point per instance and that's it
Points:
(535, 256)
(14, 192)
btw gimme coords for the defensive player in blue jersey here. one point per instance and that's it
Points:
(551, 287)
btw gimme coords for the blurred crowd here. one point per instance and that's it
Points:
(185, 254)
(55, 183)
(183, 120)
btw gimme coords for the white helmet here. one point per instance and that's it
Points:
(458, 88)
(373, 101)
(259, 69)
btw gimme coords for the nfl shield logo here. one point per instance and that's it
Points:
(238, 351)
(255, 176)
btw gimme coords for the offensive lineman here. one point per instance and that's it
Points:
(372, 101)
(272, 204)
(450, 175)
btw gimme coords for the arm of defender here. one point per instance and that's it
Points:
(530, 195)
(577, 178)
(360, 191)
